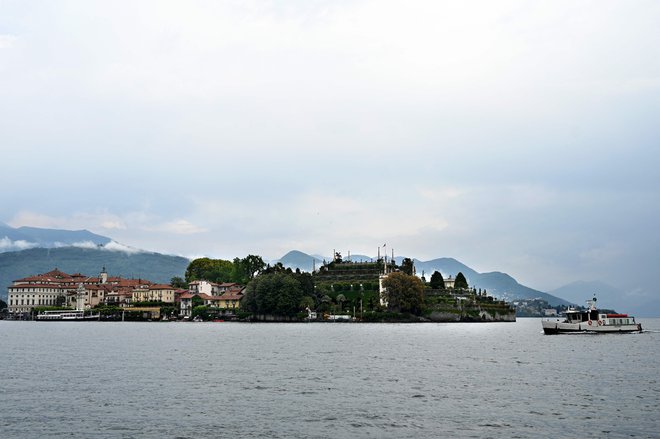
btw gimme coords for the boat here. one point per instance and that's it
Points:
(591, 320)
(66, 316)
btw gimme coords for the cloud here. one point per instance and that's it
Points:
(115, 246)
(7, 245)
(81, 244)
(110, 246)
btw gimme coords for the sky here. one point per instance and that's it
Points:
(514, 136)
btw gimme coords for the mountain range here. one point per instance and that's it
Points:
(21, 238)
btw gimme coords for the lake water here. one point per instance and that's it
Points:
(325, 380)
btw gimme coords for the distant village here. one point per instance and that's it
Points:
(339, 290)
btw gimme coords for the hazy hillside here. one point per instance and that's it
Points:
(155, 267)
(580, 291)
(498, 284)
(297, 259)
(609, 297)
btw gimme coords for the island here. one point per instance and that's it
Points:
(248, 289)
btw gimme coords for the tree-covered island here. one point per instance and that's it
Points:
(370, 291)
(248, 289)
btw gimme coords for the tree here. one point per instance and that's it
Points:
(213, 270)
(307, 302)
(247, 268)
(437, 282)
(277, 268)
(60, 300)
(276, 293)
(3, 304)
(253, 265)
(404, 293)
(178, 282)
(201, 311)
(340, 301)
(325, 303)
(407, 266)
(460, 283)
(306, 283)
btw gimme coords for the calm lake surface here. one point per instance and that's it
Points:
(325, 380)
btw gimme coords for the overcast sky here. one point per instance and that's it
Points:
(517, 136)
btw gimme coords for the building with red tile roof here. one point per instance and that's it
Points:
(56, 288)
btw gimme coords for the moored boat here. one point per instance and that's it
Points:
(66, 316)
(591, 319)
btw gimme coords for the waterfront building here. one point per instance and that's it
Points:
(155, 293)
(186, 302)
(41, 290)
(201, 287)
(231, 298)
(57, 288)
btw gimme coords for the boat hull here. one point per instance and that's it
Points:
(560, 327)
(72, 316)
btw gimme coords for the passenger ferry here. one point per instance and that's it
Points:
(66, 316)
(591, 320)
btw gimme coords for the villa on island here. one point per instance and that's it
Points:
(59, 289)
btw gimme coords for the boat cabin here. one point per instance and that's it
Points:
(574, 316)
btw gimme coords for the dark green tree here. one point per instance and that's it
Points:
(407, 266)
(253, 265)
(307, 302)
(460, 283)
(404, 293)
(198, 269)
(213, 270)
(178, 282)
(60, 300)
(3, 304)
(277, 293)
(247, 268)
(277, 268)
(437, 282)
(306, 283)
(340, 301)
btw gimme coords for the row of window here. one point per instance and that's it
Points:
(621, 322)
(49, 301)
(32, 296)
(34, 290)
